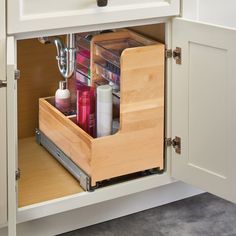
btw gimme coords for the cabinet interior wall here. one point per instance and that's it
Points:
(43, 178)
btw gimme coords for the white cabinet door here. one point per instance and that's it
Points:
(204, 107)
(3, 157)
(11, 136)
(28, 15)
(3, 136)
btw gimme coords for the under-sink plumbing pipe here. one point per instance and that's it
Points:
(65, 53)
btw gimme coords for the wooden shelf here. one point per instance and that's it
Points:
(42, 177)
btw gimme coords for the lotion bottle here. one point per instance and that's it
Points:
(104, 110)
(62, 98)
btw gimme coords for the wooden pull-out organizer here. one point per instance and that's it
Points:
(138, 145)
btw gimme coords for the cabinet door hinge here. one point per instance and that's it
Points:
(176, 54)
(17, 74)
(18, 173)
(168, 53)
(175, 143)
(3, 83)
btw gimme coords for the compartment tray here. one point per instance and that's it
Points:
(111, 50)
(104, 72)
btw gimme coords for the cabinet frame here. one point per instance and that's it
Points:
(60, 205)
(18, 22)
(85, 199)
(116, 191)
(3, 124)
(3, 159)
(11, 136)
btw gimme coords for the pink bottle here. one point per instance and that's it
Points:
(86, 108)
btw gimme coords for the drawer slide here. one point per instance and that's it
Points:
(75, 170)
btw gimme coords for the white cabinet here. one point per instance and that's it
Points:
(26, 15)
(12, 135)
(3, 136)
(200, 92)
(220, 12)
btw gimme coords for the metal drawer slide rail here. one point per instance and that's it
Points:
(78, 173)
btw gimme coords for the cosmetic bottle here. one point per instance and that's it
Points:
(81, 87)
(62, 98)
(86, 109)
(104, 110)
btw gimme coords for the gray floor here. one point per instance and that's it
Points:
(203, 215)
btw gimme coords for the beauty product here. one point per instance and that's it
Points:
(102, 70)
(62, 98)
(86, 109)
(83, 70)
(81, 87)
(104, 110)
(81, 78)
(83, 58)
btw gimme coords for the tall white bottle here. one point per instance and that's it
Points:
(62, 98)
(104, 110)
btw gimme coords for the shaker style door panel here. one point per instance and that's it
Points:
(204, 107)
(3, 135)
(28, 15)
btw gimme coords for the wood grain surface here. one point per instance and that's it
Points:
(42, 177)
(39, 78)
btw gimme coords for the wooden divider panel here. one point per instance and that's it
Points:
(139, 143)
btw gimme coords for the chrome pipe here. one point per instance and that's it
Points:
(65, 53)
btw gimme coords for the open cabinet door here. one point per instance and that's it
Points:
(3, 124)
(204, 107)
(11, 135)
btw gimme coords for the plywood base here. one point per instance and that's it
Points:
(42, 177)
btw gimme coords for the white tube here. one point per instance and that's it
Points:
(104, 110)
